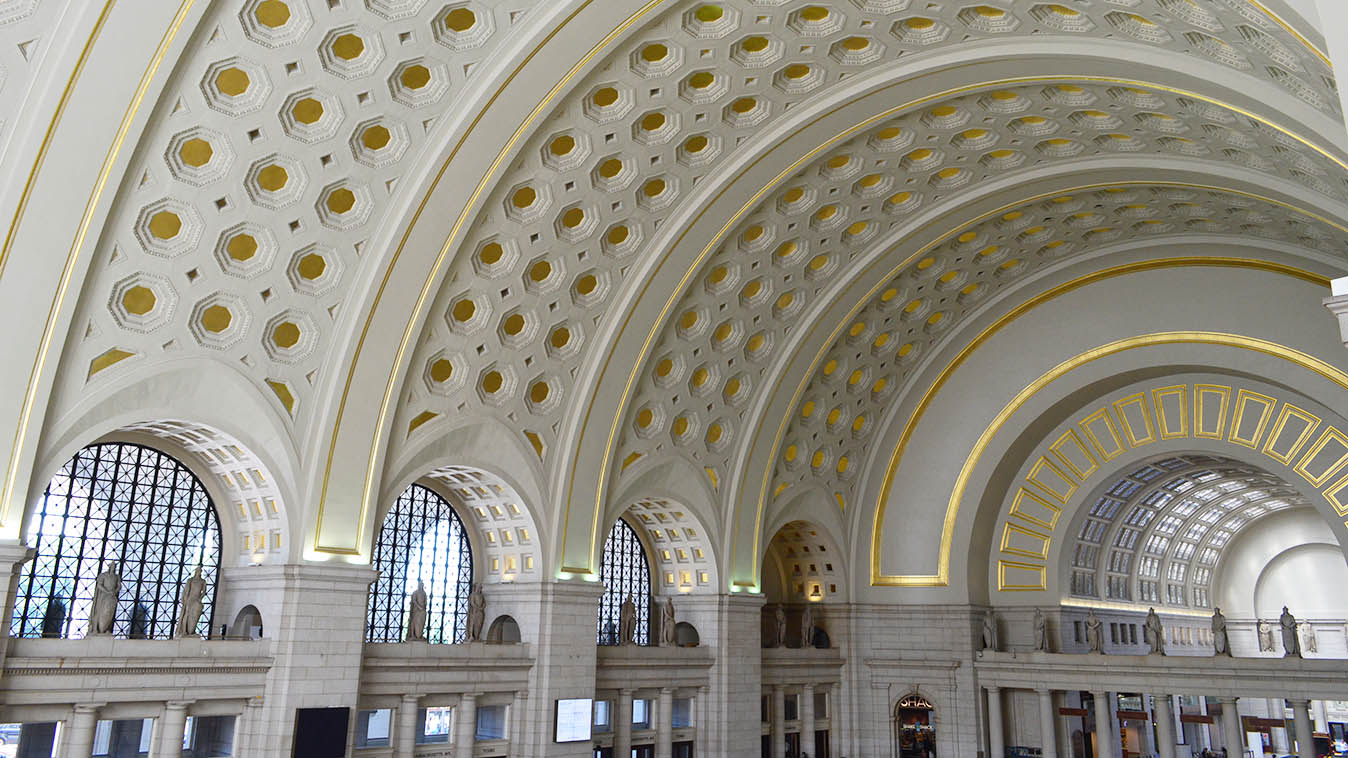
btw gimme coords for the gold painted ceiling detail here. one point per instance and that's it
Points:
(270, 160)
(708, 366)
(562, 230)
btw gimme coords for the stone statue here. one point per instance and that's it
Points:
(627, 622)
(477, 613)
(1095, 636)
(54, 617)
(104, 611)
(1290, 643)
(1265, 636)
(1154, 633)
(667, 623)
(194, 595)
(807, 628)
(416, 614)
(1221, 642)
(990, 631)
(1041, 644)
(1308, 641)
(780, 617)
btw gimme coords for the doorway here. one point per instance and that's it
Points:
(914, 727)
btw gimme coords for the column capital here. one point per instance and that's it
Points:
(411, 697)
(88, 707)
(1300, 703)
(470, 696)
(179, 704)
(1045, 691)
(666, 690)
(807, 688)
(992, 689)
(627, 691)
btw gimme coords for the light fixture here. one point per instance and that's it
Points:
(815, 594)
(508, 578)
(257, 557)
(685, 585)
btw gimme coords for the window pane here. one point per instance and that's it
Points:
(625, 573)
(421, 540)
(491, 722)
(641, 713)
(683, 712)
(603, 716)
(792, 708)
(372, 727)
(434, 725)
(126, 509)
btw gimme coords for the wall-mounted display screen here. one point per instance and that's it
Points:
(574, 717)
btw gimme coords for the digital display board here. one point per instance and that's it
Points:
(574, 717)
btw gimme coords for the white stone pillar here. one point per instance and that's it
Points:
(79, 732)
(701, 717)
(835, 721)
(1048, 726)
(519, 709)
(622, 727)
(405, 743)
(1320, 715)
(1163, 716)
(807, 720)
(172, 728)
(1301, 718)
(996, 735)
(1105, 742)
(778, 721)
(465, 725)
(1233, 731)
(247, 728)
(664, 725)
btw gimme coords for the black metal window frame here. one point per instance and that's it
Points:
(125, 506)
(416, 513)
(624, 571)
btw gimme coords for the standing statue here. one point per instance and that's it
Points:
(1095, 633)
(104, 611)
(1265, 630)
(807, 628)
(477, 613)
(1290, 644)
(416, 614)
(1041, 644)
(667, 623)
(779, 616)
(1154, 633)
(1308, 641)
(1221, 641)
(990, 631)
(193, 598)
(54, 617)
(627, 622)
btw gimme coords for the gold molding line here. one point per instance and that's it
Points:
(427, 292)
(68, 273)
(1291, 355)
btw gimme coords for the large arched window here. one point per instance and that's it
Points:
(625, 573)
(422, 539)
(125, 507)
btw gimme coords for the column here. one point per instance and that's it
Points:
(1163, 715)
(1105, 743)
(996, 737)
(465, 725)
(835, 721)
(405, 744)
(701, 718)
(1048, 726)
(664, 725)
(172, 727)
(79, 737)
(778, 721)
(1233, 732)
(807, 720)
(247, 727)
(518, 725)
(1320, 715)
(622, 727)
(1301, 718)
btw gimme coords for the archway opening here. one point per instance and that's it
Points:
(120, 530)
(503, 631)
(914, 727)
(247, 624)
(802, 575)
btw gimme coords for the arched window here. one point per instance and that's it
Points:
(422, 539)
(624, 572)
(125, 507)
